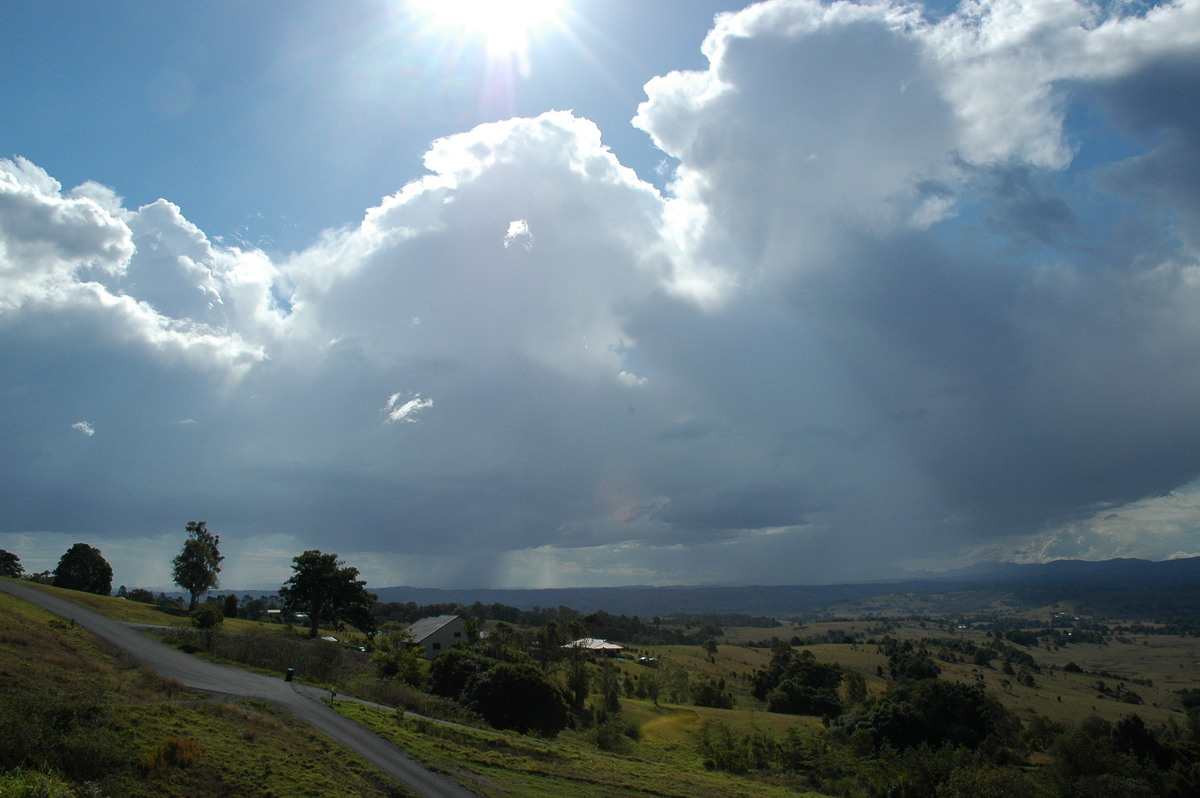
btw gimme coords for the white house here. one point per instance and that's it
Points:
(437, 634)
(597, 646)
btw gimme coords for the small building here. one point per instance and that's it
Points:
(437, 634)
(597, 646)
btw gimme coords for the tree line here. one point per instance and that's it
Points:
(322, 587)
(330, 592)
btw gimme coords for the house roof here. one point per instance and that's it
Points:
(427, 626)
(594, 644)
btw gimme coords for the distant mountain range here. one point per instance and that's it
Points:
(1061, 580)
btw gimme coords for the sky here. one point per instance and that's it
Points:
(606, 292)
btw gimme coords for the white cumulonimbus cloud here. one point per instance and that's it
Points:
(894, 307)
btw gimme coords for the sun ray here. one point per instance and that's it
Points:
(506, 26)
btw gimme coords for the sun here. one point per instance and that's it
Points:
(507, 26)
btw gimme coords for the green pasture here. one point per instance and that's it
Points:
(662, 763)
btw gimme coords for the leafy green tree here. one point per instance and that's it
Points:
(610, 687)
(10, 565)
(82, 567)
(140, 594)
(799, 685)
(230, 606)
(196, 567)
(907, 662)
(329, 591)
(935, 713)
(578, 680)
(795, 697)
(1087, 762)
(548, 644)
(518, 697)
(709, 692)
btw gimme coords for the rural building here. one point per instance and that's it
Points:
(437, 634)
(597, 646)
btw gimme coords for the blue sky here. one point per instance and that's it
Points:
(272, 122)
(801, 292)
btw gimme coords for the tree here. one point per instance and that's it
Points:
(856, 687)
(10, 564)
(610, 687)
(517, 697)
(329, 591)
(197, 565)
(578, 681)
(709, 692)
(935, 713)
(798, 684)
(83, 568)
(140, 594)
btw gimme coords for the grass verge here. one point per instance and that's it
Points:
(75, 714)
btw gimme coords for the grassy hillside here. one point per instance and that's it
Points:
(1064, 687)
(72, 708)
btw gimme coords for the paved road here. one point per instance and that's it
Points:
(300, 700)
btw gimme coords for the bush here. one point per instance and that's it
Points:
(396, 657)
(450, 673)
(207, 616)
(316, 660)
(171, 752)
(397, 694)
(615, 736)
(517, 697)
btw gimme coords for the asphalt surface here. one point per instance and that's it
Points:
(299, 700)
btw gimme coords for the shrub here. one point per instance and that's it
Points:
(171, 752)
(517, 697)
(316, 660)
(615, 736)
(397, 694)
(207, 616)
(449, 673)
